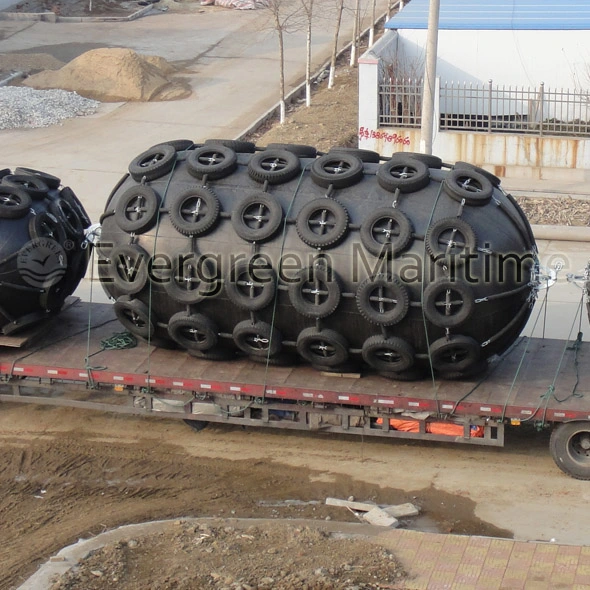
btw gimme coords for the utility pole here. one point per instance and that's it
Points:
(429, 78)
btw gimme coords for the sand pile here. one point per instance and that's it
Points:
(114, 75)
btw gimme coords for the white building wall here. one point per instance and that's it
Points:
(561, 59)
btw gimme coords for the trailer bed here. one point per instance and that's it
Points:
(537, 380)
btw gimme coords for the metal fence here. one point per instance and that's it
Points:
(489, 107)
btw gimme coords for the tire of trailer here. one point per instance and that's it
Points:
(322, 347)
(249, 287)
(14, 202)
(449, 240)
(454, 353)
(300, 150)
(31, 184)
(128, 266)
(213, 160)
(469, 185)
(193, 331)
(137, 209)
(383, 300)
(457, 307)
(194, 211)
(50, 180)
(196, 425)
(257, 217)
(188, 288)
(317, 292)
(570, 448)
(337, 170)
(323, 215)
(135, 316)
(388, 354)
(274, 166)
(153, 163)
(257, 338)
(406, 174)
(386, 222)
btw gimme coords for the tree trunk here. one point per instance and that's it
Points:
(281, 67)
(355, 34)
(308, 56)
(335, 46)
(372, 30)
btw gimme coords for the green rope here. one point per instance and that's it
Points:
(425, 256)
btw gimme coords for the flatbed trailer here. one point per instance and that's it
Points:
(543, 382)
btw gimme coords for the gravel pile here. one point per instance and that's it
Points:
(29, 108)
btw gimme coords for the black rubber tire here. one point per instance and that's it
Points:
(128, 268)
(237, 145)
(274, 166)
(179, 145)
(337, 170)
(135, 316)
(193, 331)
(414, 374)
(46, 225)
(388, 354)
(477, 369)
(367, 156)
(383, 300)
(189, 285)
(386, 232)
(153, 163)
(137, 209)
(212, 160)
(23, 322)
(467, 166)
(568, 446)
(14, 202)
(249, 287)
(257, 338)
(257, 217)
(406, 174)
(51, 181)
(69, 218)
(466, 183)
(325, 347)
(450, 240)
(454, 353)
(68, 195)
(322, 223)
(194, 211)
(430, 161)
(300, 150)
(448, 303)
(196, 425)
(215, 354)
(31, 184)
(316, 293)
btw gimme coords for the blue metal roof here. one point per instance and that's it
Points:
(497, 15)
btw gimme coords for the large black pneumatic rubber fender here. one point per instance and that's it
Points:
(338, 257)
(43, 249)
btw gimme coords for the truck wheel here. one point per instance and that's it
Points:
(137, 209)
(454, 353)
(317, 292)
(337, 169)
(193, 331)
(213, 160)
(14, 202)
(322, 347)
(448, 303)
(135, 316)
(196, 425)
(257, 338)
(570, 448)
(33, 185)
(194, 211)
(50, 180)
(406, 174)
(383, 300)
(257, 217)
(388, 354)
(450, 240)
(128, 268)
(274, 166)
(469, 185)
(250, 287)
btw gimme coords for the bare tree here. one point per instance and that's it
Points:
(286, 18)
(339, 11)
(355, 34)
(307, 7)
(373, 18)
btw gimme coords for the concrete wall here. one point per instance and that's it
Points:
(504, 56)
